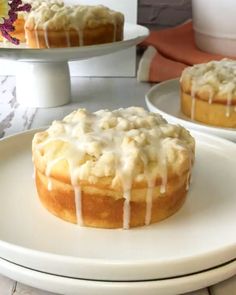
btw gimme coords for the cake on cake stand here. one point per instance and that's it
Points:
(43, 78)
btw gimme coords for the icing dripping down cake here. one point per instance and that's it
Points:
(208, 93)
(52, 25)
(113, 169)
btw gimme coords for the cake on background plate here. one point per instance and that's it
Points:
(113, 169)
(51, 26)
(208, 93)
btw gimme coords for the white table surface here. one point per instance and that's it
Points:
(92, 93)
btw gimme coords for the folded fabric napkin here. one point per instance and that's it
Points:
(168, 52)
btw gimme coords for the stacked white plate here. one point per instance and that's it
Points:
(194, 248)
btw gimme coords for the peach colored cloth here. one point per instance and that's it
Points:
(168, 52)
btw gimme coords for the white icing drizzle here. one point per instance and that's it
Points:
(211, 95)
(67, 38)
(164, 175)
(193, 101)
(151, 184)
(188, 181)
(73, 173)
(36, 37)
(80, 36)
(126, 209)
(189, 175)
(124, 143)
(228, 107)
(229, 91)
(26, 37)
(78, 205)
(219, 77)
(114, 22)
(149, 198)
(51, 164)
(49, 167)
(46, 35)
(49, 184)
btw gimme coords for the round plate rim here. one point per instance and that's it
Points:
(59, 284)
(116, 263)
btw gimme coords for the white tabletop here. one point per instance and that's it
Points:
(92, 93)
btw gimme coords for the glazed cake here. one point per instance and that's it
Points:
(113, 169)
(67, 26)
(208, 93)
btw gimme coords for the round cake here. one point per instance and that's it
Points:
(51, 26)
(113, 169)
(208, 93)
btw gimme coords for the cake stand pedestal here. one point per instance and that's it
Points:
(43, 84)
(43, 78)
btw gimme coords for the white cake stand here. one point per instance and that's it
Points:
(43, 78)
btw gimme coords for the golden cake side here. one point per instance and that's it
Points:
(101, 210)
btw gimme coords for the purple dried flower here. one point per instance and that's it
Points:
(7, 26)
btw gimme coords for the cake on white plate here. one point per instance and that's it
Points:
(113, 169)
(208, 93)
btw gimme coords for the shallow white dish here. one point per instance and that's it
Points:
(70, 286)
(198, 237)
(164, 98)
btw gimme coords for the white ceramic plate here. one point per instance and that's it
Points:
(200, 236)
(70, 286)
(133, 34)
(164, 98)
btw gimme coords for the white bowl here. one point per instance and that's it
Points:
(214, 26)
